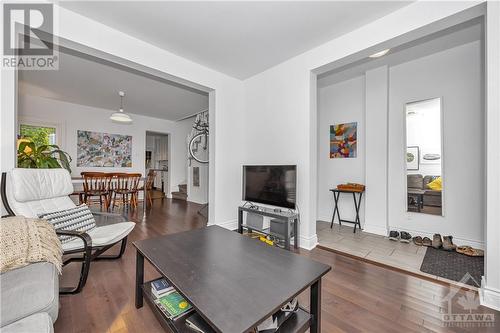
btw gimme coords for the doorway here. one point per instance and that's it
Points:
(157, 162)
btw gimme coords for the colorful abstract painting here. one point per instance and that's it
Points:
(95, 149)
(343, 140)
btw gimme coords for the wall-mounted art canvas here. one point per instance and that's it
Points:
(344, 140)
(96, 149)
(412, 158)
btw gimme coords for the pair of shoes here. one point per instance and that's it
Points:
(470, 251)
(404, 237)
(446, 242)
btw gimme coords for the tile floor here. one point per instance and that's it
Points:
(375, 248)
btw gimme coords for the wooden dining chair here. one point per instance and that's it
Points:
(96, 184)
(125, 185)
(148, 186)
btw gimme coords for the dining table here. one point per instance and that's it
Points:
(78, 190)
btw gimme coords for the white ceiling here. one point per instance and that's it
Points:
(87, 82)
(461, 34)
(238, 38)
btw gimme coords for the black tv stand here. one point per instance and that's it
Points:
(289, 218)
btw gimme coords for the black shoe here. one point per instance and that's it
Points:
(405, 237)
(394, 235)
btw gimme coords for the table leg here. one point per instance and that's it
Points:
(240, 221)
(357, 205)
(336, 209)
(296, 233)
(287, 234)
(139, 279)
(315, 307)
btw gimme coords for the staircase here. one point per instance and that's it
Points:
(181, 194)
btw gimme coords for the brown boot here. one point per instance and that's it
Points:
(437, 242)
(448, 243)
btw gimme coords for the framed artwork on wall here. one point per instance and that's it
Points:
(96, 149)
(412, 158)
(344, 140)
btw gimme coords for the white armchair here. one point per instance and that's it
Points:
(32, 192)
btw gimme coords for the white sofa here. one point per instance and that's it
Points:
(29, 299)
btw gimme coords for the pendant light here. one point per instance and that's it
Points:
(120, 116)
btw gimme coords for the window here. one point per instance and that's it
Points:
(40, 135)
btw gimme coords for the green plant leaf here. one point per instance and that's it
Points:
(43, 156)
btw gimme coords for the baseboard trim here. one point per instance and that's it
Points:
(196, 201)
(489, 297)
(375, 229)
(230, 225)
(308, 243)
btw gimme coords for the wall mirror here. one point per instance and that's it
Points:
(424, 156)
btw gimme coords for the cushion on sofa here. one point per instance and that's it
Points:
(29, 290)
(436, 184)
(39, 323)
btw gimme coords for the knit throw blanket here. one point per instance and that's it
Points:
(27, 240)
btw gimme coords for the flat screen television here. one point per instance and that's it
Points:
(274, 185)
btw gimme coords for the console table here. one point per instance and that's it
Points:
(233, 282)
(357, 205)
(290, 220)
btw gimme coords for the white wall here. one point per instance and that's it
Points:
(198, 194)
(490, 285)
(343, 102)
(279, 118)
(377, 86)
(456, 76)
(73, 117)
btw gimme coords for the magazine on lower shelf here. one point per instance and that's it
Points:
(173, 305)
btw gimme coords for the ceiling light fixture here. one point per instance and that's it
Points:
(120, 116)
(380, 54)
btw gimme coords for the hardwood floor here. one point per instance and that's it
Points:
(357, 296)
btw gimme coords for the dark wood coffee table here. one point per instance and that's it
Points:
(232, 281)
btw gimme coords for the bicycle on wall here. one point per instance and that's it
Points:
(198, 144)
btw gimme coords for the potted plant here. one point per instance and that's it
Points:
(29, 155)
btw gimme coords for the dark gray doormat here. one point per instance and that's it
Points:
(453, 265)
